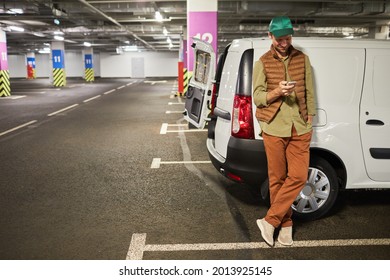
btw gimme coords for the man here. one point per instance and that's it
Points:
(285, 112)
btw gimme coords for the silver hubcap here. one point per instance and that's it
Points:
(314, 194)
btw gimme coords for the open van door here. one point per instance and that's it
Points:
(200, 86)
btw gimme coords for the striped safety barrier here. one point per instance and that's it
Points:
(59, 79)
(89, 75)
(5, 85)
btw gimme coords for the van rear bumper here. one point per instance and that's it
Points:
(245, 158)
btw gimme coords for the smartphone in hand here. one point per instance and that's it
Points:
(291, 83)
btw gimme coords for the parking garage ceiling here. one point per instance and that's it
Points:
(112, 24)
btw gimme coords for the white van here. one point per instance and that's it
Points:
(350, 147)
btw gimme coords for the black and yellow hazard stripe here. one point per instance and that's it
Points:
(89, 75)
(59, 79)
(185, 81)
(5, 85)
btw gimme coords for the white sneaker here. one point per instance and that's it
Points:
(267, 231)
(285, 236)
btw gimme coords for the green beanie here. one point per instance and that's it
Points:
(281, 26)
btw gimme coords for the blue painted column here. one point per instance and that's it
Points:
(58, 62)
(89, 74)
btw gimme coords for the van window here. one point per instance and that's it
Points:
(202, 66)
(220, 64)
(380, 80)
(244, 79)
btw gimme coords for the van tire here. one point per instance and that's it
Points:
(323, 195)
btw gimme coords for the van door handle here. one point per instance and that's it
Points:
(374, 122)
(222, 114)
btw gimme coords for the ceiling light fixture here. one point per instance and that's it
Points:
(38, 34)
(59, 38)
(44, 50)
(87, 44)
(158, 16)
(130, 48)
(165, 31)
(15, 11)
(16, 28)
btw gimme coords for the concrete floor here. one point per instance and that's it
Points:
(78, 184)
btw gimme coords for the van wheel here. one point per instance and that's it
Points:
(320, 192)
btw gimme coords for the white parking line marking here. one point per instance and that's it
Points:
(175, 103)
(164, 128)
(24, 92)
(129, 84)
(187, 130)
(120, 87)
(16, 128)
(156, 162)
(138, 245)
(174, 112)
(108, 92)
(155, 82)
(62, 110)
(92, 98)
(136, 248)
(12, 97)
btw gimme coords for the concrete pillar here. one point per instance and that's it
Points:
(5, 85)
(380, 31)
(383, 32)
(180, 68)
(58, 63)
(89, 74)
(202, 21)
(31, 65)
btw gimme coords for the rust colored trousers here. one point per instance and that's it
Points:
(288, 163)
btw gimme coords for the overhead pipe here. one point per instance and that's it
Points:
(115, 22)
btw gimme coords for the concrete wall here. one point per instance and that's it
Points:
(106, 65)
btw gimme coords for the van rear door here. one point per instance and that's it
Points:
(200, 86)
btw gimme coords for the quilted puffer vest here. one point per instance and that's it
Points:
(275, 72)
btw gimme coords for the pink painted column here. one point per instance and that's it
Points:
(202, 23)
(5, 86)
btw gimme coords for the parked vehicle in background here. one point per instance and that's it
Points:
(350, 148)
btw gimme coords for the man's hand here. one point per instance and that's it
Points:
(285, 89)
(282, 90)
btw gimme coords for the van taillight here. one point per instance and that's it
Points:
(242, 122)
